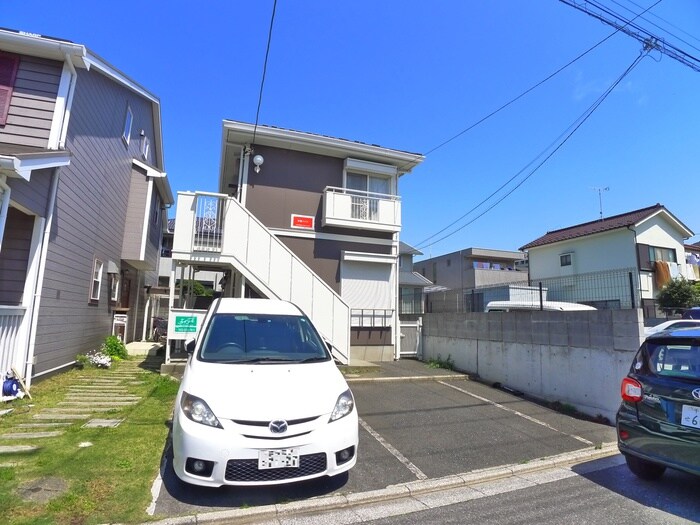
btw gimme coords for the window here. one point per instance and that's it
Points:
(96, 280)
(128, 121)
(115, 288)
(367, 189)
(565, 259)
(155, 210)
(8, 73)
(145, 147)
(662, 254)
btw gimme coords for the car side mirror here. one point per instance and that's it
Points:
(189, 345)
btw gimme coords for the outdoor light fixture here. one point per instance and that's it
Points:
(258, 160)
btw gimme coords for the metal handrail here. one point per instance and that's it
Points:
(361, 193)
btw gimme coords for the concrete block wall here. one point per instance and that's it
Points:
(577, 358)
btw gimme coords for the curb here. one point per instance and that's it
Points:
(393, 492)
(442, 377)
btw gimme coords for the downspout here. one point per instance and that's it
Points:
(39, 284)
(638, 272)
(4, 205)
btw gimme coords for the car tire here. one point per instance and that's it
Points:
(644, 469)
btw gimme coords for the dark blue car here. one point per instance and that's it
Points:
(658, 423)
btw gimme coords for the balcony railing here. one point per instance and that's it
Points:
(10, 321)
(367, 318)
(361, 209)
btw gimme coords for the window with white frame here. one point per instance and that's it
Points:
(128, 121)
(145, 147)
(368, 189)
(115, 287)
(97, 269)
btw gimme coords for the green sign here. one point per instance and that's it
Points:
(185, 324)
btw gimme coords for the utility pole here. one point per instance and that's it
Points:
(649, 41)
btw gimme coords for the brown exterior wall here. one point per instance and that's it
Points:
(324, 256)
(378, 336)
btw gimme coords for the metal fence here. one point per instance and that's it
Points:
(618, 289)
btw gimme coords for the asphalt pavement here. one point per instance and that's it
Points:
(421, 429)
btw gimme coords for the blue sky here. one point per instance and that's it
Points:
(409, 75)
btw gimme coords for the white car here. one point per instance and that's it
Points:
(673, 324)
(261, 401)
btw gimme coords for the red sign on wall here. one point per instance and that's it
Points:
(303, 221)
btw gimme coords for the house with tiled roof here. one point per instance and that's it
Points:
(629, 245)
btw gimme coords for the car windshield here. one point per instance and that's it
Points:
(257, 338)
(675, 358)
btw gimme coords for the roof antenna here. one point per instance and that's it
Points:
(600, 198)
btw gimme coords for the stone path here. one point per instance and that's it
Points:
(88, 402)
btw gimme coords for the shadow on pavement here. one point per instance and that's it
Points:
(675, 493)
(180, 497)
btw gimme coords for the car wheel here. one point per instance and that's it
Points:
(644, 469)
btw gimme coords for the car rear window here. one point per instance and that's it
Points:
(250, 337)
(675, 358)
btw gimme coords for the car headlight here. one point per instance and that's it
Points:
(343, 406)
(198, 411)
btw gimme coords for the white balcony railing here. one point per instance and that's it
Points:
(361, 209)
(10, 321)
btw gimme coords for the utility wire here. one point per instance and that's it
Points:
(262, 82)
(667, 22)
(658, 26)
(617, 30)
(535, 86)
(576, 125)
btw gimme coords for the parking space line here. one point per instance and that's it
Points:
(512, 411)
(398, 455)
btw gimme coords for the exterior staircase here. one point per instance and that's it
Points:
(216, 230)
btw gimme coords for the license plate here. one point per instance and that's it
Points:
(280, 458)
(690, 416)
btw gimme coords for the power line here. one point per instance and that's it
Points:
(576, 125)
(535, 86)
(262, 81)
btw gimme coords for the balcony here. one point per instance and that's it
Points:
(361, 210)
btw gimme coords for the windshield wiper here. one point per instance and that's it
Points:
(316, 359)
(258, 360)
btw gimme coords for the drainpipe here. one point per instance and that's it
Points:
(39, 284)
(4, 205)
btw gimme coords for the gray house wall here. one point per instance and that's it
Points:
(32, 103)
(135, 211)
(89, 220)
(32, 195)
(14, 256)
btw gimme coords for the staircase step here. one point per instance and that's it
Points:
(96, 403)
(60, 417)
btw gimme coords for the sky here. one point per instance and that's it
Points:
(411, 75)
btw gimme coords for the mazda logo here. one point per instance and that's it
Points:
(696, 394)
(279, 426)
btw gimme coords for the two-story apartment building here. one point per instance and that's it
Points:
(307, 218)
(630, 250)
(82, 199)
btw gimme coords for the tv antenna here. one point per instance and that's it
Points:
(600, 198)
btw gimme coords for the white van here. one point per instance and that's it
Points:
(556, 306)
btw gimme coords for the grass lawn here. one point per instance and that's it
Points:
(106, 482)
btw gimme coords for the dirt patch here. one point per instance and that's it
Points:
(42, 490)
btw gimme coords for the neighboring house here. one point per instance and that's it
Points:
(412, 285)
(473, 268)
(643, 244)
(307, 218)
(82, 199)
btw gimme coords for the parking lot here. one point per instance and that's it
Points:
(415, 424)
